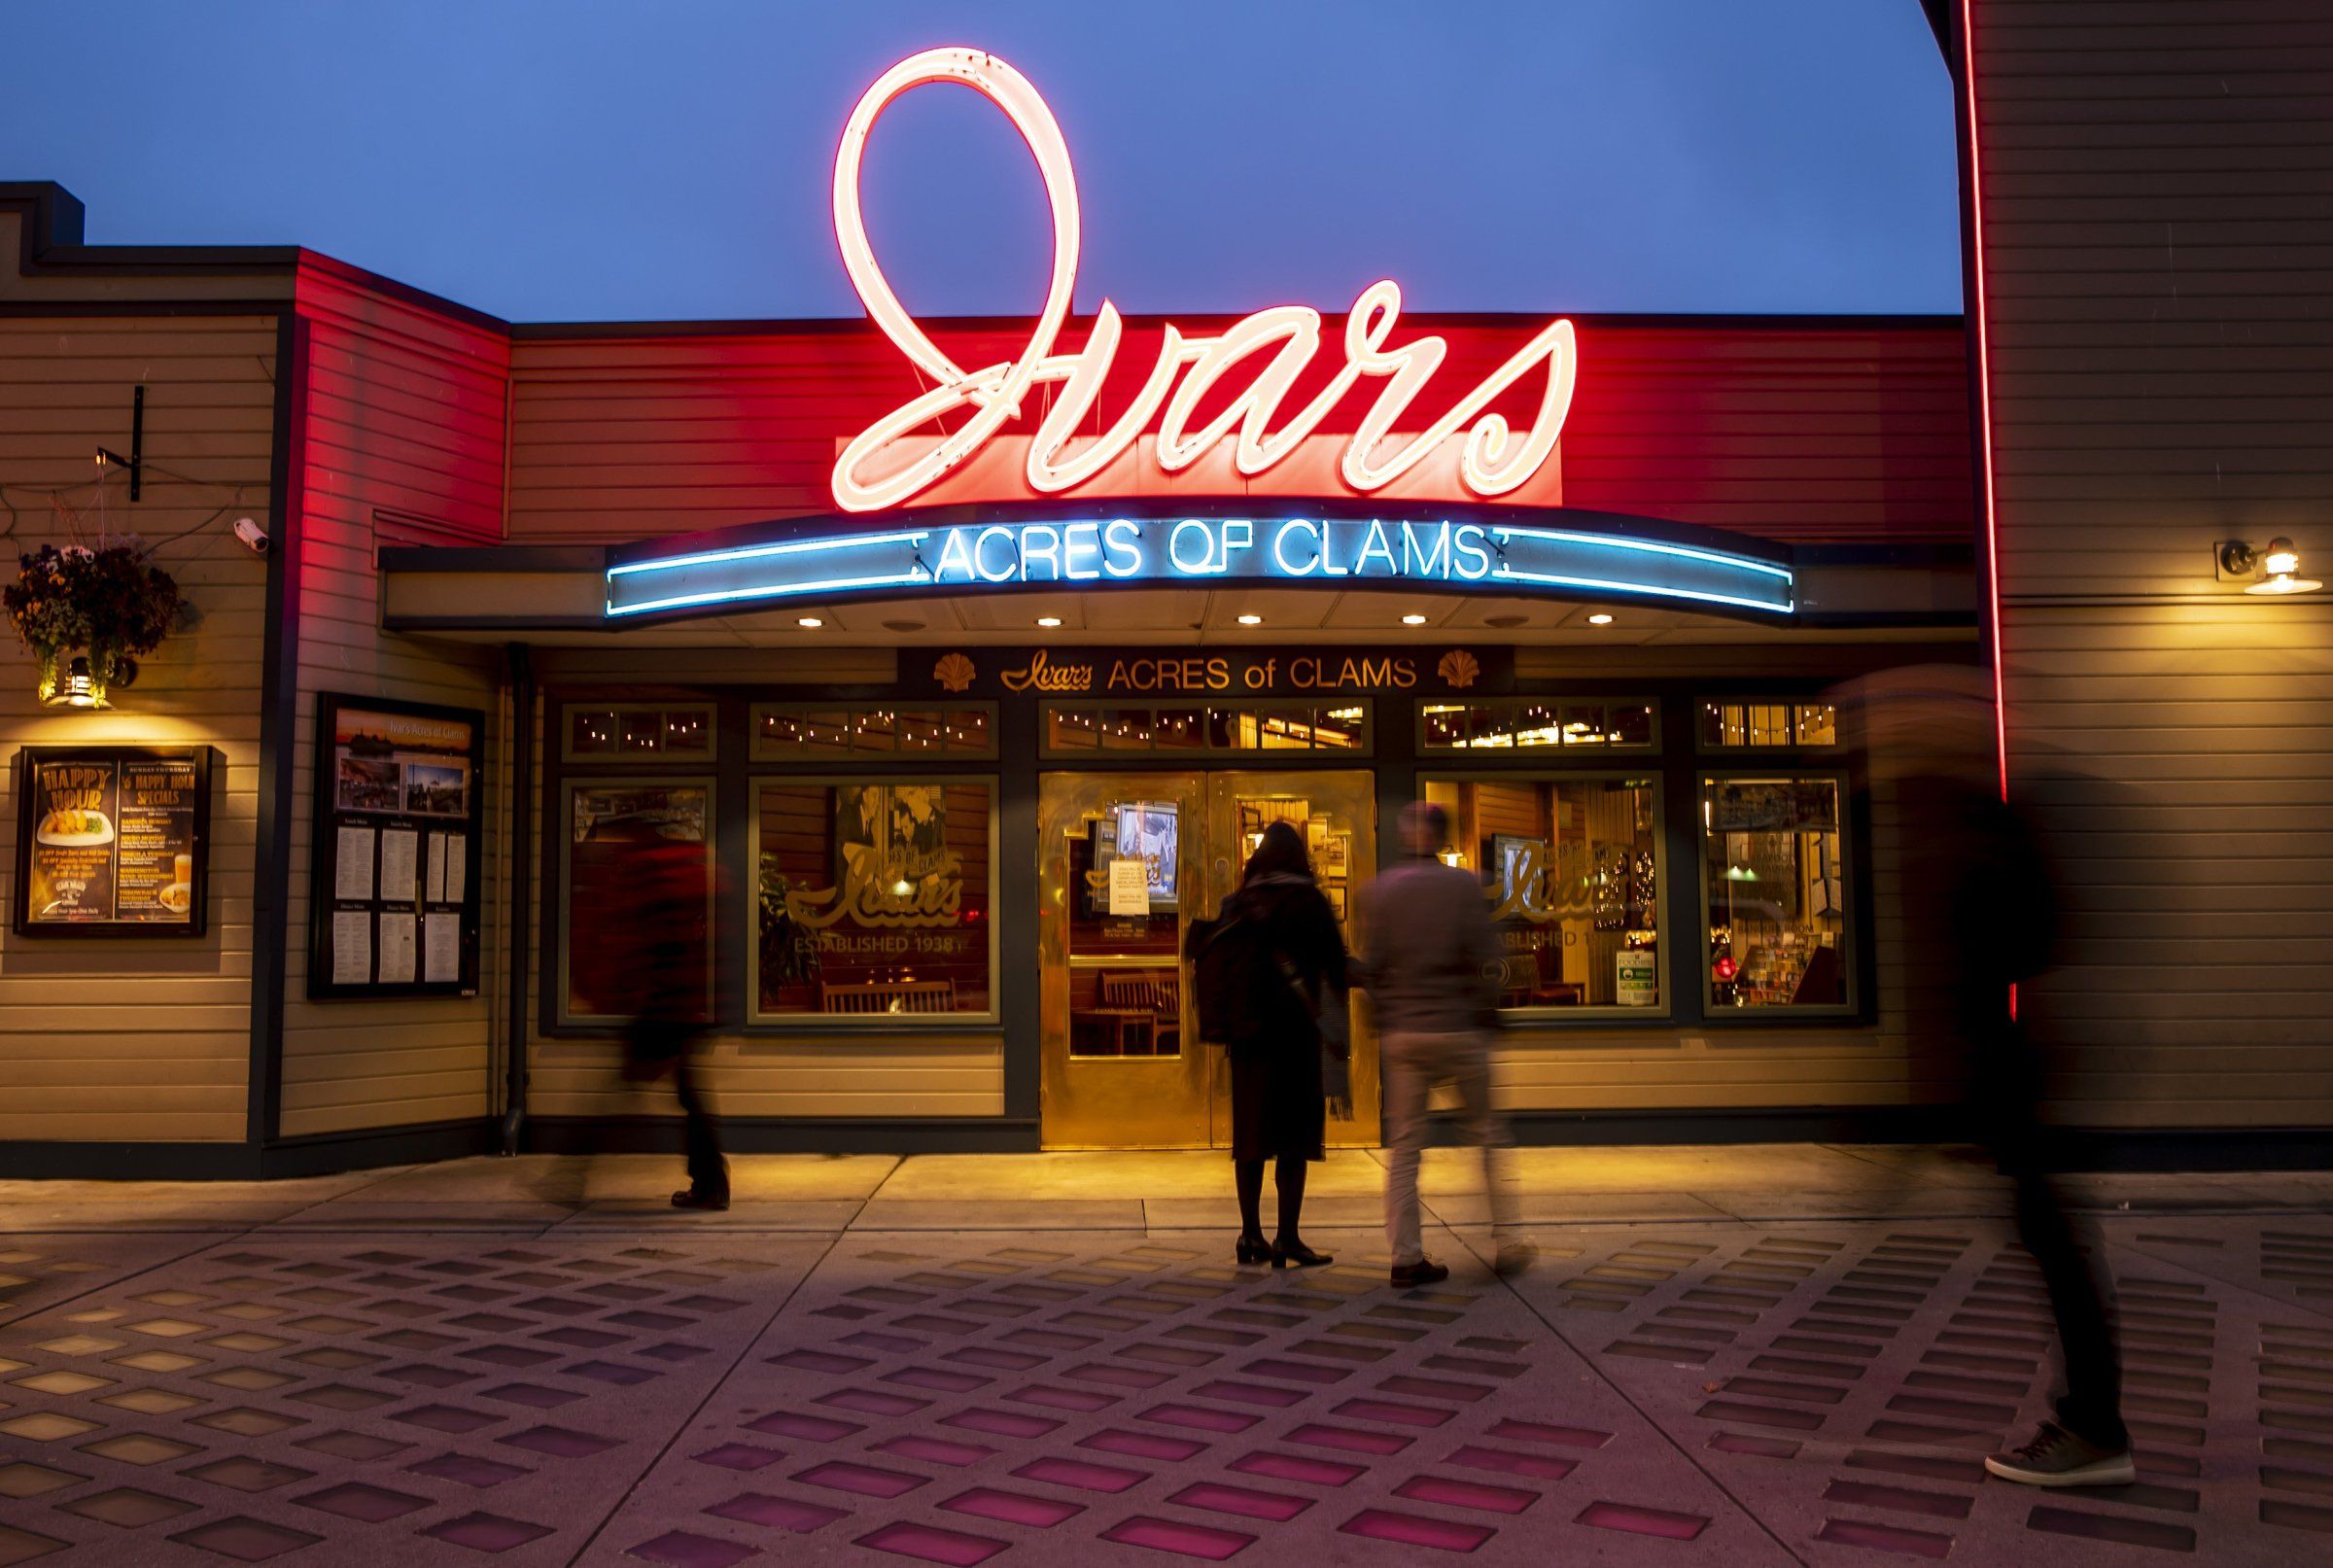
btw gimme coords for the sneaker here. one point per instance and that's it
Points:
(1424, 1272)
(2056, 1457)
(690, 1198)
(1514, 1259)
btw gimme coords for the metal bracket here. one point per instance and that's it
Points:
(135, 463)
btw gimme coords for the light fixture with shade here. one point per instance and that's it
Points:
(75, 687)
(2275, 570)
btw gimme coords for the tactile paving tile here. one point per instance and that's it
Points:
(1849, 1380)
(1099, 1400)
(421, 1400)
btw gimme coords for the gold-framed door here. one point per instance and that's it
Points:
(1110, 1076)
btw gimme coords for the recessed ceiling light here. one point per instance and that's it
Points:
(811, 621)
(902, 625)
(1251, 620)
(1413, 620)
(1599, 619)
(1505, 622)
(1049, 621)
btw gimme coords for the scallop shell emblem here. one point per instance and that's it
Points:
(955, 672)
(1460, 668)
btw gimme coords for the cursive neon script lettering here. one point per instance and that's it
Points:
(1275, 345)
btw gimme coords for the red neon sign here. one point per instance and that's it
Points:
(1467, 453)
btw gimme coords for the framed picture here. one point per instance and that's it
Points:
(113, 840)
(1335, 858)
(393, 893)
(1336, 902)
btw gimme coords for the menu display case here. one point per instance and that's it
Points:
(113, 840)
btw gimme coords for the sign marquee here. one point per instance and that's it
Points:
(1386, 552)
(895, 459)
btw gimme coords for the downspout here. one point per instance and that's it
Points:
(520, 857)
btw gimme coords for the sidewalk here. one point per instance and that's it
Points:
(1750, 1355)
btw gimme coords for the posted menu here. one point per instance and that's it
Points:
(112, 838)
(397, 823)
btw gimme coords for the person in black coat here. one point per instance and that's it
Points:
(1279, 1086)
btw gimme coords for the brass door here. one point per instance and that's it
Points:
(1120, 1063)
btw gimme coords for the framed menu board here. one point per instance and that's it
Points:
(113, 840)
(393, 893)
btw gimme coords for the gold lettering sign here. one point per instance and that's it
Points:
(1043, 675)
(1542, 889)
(896, 867)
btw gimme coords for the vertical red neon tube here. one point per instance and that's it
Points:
(1984, 394)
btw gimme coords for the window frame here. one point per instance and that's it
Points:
(1814, 754)
(1538, 755)
(1204, 755)
(562, 1020)
(1851, 921)
(758, 758)
(568, 756)
(756, 1021)
(1598, 1014)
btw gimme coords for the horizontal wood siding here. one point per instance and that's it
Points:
(2156, 178)
(142, 1039)
(404, 416)
(1829, 433)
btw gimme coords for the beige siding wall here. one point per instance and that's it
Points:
(2158, 266)
(142, 1039)
(404, 416)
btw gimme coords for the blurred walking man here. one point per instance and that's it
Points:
(1428, 966)
(1979, 899)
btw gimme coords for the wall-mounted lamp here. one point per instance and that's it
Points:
(2273, 570)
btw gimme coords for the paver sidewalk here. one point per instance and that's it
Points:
(1759, 1355)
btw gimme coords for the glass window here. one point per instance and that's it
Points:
(1776, 892)
(1571, 868)
(784, 731)
(1727, 723)
(1127, 869)
(630, 846)
(873, 899)
(1520, 723)
(638, 732)
(1252, 726)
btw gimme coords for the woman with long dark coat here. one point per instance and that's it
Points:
(1280, 1091)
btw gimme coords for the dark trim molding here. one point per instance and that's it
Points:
(279, 725)
(824, 1134)
(1789, 1124)
(319, 1155)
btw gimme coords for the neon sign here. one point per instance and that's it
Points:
(1482, 554)
(889, 464)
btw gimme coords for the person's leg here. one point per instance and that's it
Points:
(708, 1171)
(1405, 1135)
(2091, 1407)
(1288, 1176)
(1485, 1129)
(1248, 1176)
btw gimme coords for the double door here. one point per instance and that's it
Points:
(1126, 861)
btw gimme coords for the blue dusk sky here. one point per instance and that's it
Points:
(652, 160)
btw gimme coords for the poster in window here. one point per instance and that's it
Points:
(397, 819)
(111, 840)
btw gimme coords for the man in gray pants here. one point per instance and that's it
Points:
(1429, 965)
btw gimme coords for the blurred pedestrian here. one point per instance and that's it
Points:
(1981, 906)
(669, 988)
(1269, 976)
(1429, 963)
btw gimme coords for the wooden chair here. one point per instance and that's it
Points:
(1157, 991)
(888, 996)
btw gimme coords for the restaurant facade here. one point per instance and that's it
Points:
(965, 660)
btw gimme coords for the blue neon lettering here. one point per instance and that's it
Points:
(954, 556)
(1239, 534)
(1462, 550)
(980, 554)
(1122, 533)
(1081, 539)
(1039, 542)
(1431, 562)
(1328, 549)
(1375, 544)
(1208, 563)
(1279, 547)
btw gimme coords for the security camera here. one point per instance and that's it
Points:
(252, 536)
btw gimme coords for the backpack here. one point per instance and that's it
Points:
(1244, 989)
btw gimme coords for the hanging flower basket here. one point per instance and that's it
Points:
(89, 617)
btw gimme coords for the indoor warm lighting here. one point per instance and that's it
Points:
(1599, 619)
(1251, 620)
(809, 622)
(1413, 620)
(2284, 564)
(1049, 621)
